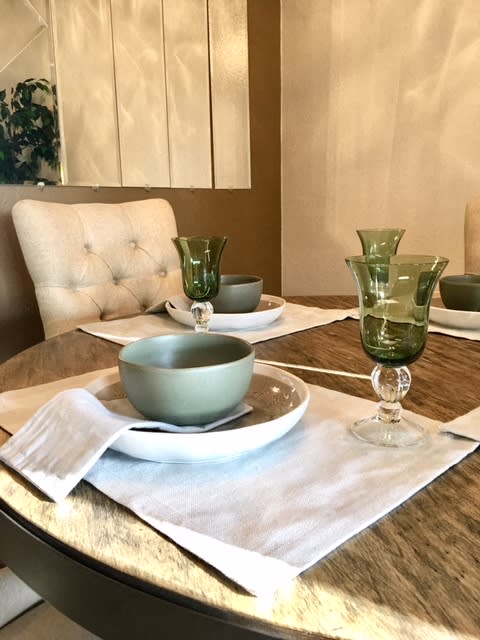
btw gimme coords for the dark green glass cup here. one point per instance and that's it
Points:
(200, 263)
(380, 241)
(394, 294)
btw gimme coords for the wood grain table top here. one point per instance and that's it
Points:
(415, 574)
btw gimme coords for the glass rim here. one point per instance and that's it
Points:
(380, 229)
(399, 259)
(204, 238)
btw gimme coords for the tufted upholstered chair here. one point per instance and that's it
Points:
(97, 261)
(472, 236)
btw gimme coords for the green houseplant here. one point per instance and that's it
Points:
(29, 132)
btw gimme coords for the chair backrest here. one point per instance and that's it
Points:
(472, 236)
(97, 261)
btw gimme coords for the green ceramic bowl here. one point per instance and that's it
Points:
(461, 292)
(238, 294)
(185, 378)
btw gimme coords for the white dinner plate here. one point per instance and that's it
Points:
(269, 309)
(455, 319)
(278, 400)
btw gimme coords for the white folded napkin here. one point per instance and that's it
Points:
(62, 441)
(263, 518)
(59, 444)
(295, 318)
(467, 425)
(18, 406)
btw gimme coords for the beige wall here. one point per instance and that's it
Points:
(250, 217)
(380, 127)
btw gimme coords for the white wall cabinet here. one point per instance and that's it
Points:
(153, 94)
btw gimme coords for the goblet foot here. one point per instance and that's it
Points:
(388, 434)
(389, 428)
(202, 312)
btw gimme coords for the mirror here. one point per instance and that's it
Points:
(159, 100)
(29, 131)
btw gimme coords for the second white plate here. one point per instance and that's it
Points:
(455, 319)
(269, 309)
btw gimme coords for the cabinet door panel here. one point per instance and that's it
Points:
(86, 91)
(230, 96)
(138, 92)
(188, 99)
(141, 96)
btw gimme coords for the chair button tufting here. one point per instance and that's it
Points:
(162, 273)
(133, 244)
(87, 247)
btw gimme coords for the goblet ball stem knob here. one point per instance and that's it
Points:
(391, 384)
(388, 427)
(202, 313)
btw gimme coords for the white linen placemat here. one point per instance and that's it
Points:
(295, 318)
(467, 334)
(263, 518)
(433, 327)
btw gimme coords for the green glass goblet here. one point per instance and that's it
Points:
(394, 296)
(380, 241)
(200, 263)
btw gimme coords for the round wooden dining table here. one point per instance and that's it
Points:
(412, 575)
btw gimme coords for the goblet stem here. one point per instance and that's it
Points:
(389, 427)
(202, 312)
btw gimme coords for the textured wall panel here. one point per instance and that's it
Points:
(230, 95)
(186, 58)
(380, 127)
(141, 97)
(85, 80)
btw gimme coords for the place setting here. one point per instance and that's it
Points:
(211, 300)
(292, 448)
(188, 427)
(218, 302)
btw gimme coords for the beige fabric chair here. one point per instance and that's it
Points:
(472, 236)
(97, 261)
(87, 262)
